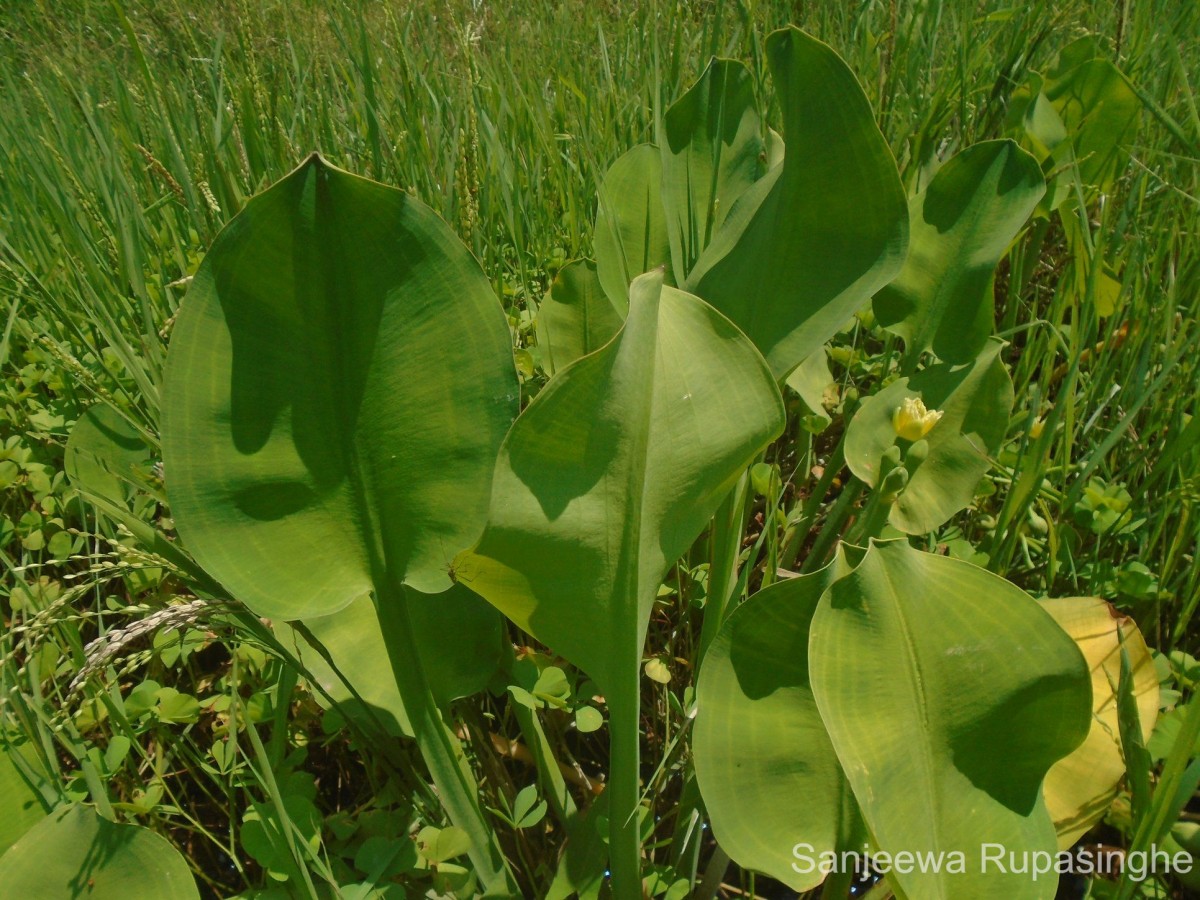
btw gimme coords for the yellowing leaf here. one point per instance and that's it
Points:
(1080, 787)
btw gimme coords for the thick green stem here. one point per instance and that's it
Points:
(834, 524)
(624, 790)
(554, 786)
(441, 750)
(871, 520)
(688, 834)
(728, 525)
(798, 531)
(718, 865)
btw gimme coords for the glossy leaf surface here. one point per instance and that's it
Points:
(21, 803)
(338, 383)
(576, 317)
(712, 153)
(631, 226)
(454, 668)
(106, 456)
(611, 473)
(605, 479)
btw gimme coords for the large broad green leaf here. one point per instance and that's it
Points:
(611, 473)
(339, 379)
(808, 244)
(606, 478)
(1081, 787)
(713, 151)
(106, 456)
(631, 226)
(338, 384)
(767, 770)
(108, 460)
(22, 804)
(454, 668)
(360, 679)
(1082, 114)
(961, 225)
(815, 385)
(947, 693)
(1099, 108)
(74, 853)
(974, 399)
(576, 316)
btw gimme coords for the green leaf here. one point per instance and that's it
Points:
(22, 804)
(767, 770)
(382, 858)
(588, 719)
(713, 151)
(338, 383)
(173, 706)
(339, 379)
(1082, 114)
(808, 244)
(1080, 787)
(1099, 109)
(552, 687)
(961, 225)
(947, 693)
(608, 476)
(581, 868)
(75, 853)
(1138, 765)
(631, 227)
(815, 385)
(351, 636)
(576, 316)
(270, 832)
(611, 473)
(105, 455)
(528, 808)
(975, 401)
(440, 844)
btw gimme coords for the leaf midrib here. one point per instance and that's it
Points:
(917, 681)
(365, 514)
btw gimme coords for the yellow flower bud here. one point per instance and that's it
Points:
(912, 420)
